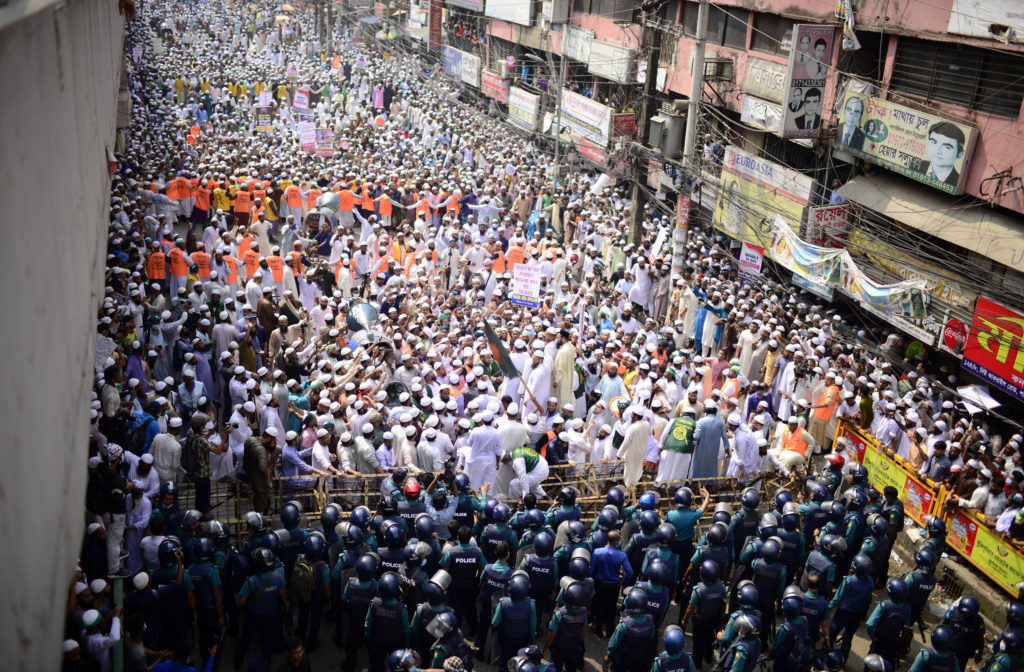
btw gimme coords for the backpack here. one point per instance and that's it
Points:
(189, 461)
(303, 581)
(137, 438)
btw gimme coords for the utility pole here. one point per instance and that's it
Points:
(652, 47)
(692, 110)
(558, 108)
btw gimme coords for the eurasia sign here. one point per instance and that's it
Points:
(995, 347)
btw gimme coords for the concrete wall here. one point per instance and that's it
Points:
(59, 71)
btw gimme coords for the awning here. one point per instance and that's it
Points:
(976, 228)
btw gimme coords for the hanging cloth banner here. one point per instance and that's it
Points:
(836, 268)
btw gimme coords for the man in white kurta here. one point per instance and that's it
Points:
(564, 370)
(484, 449)
(634, 447)
(539, 383)
(743, 459)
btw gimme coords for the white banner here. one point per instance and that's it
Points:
(586, 118)
(526, 285)
(751, 259)
(471, 69)
(301, 100)
(522, 108)
(576, 43)
(611, 62)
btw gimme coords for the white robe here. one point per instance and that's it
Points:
(633, 450)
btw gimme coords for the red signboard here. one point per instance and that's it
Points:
(595, 153)
(995, 347)
(683, 212)
(954, 336)
(493, 86)
(435, 24)
(624, 124)
(378, 9)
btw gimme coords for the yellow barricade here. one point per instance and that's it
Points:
(966, 534)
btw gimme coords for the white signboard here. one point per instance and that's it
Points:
(301, 101)
(576, 43)
(1001, 20)
(586, 118)
(751, 258)
(761, 113)
(266, 98)
(522, 108)
(611, 62)
(513, 12)
(526, 285)
(471, 69)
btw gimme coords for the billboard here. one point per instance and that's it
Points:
(586, 118)
(809, 63)
(576, 43)
(761, 113)
(624, 124)
(493, 86)
(995, 347)
(611, 62)
(436, 24)
(920, 145)
(828, 225)
(471, 69)
(752, 190)
(522, 108)
(451, 61)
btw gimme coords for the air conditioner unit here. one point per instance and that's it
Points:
(656, 133)
(675, 129)
(675, 106)
(718, 69)
(506, 72)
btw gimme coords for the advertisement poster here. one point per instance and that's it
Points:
(995, 347)
(856, 439)
(611, 62)
(986, 551)
(493, 86)
(752, 191)
(586, 118)
(435, 24)
(522, 108)
(526, 285)
(954, 337)
(883, 472)
(683, 212)
(451, 61)
(922, 146)
(624, 125)
(264, 119)
(301, 100)
(336, 64)
(828, 225)
(751, 259)
(471, 69)
(324, 142)
(307, 135)
(809, 66)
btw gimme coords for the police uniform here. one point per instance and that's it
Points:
(885, 626)
(387, 628)
(516, 626)
(707, 601)
(568, 624)
(631, 647)
(262, 614)
(464, 563)
(356, 597)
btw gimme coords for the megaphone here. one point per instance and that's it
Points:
(361, 316)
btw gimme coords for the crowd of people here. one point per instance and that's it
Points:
(281, 319)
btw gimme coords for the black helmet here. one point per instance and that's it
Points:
(389, 586)
(636, 600)
(750, 499)
(566, 496)
(575, 596)
(683, 497)
(748, 595)
(167, 551)
(771, 551)
(607, 518)
(291, 515)
(388, 505)
(366, 566)
(543, 544)
(710, 571)
(666, 534)
(576, 531)
(718, 533)
(649, 521)
(862, 566)
(616, 497)
(202, 548)
(875, 663)
(767, 526)
(519, 586)
(262, 560)
(942, 638)
(314, 546)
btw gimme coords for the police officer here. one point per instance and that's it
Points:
(876, 544)
(657, 590)
(311, 611)
(968, 629)
(207, 590)
(673, 658)
(291, 537)
(791, 643)
(820, 561)
(1014, 620)
(543, 572)
(567, 629)
(889, 624)
(448, 642)
(747, 599)
(743, 652)
(467, 506)
(1007, 653)
(853, 528)
(766, 529)
(814, 514)
(631, 647)
(706, 607)
(792, 540)
(493, 581)
(815, 607)
(464, 563)
(387, 621)
(575, 535)
(744, 523)
(411, 504)
(684, 519)
(636, 547)
(392, 556)
(892, 509)
(850, 604)
(497, 532)
(920, 582)
(357, 595)
(770, 578)
(264, 597)
(564, 507)
(515, 618)
(714, 547)
(935, 535)
(938, 657)
(433, 605)
(175, 597)
(832, 474)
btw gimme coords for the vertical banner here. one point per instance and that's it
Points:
(526, 285)
(324, 142)
(804, 91)
(683, 212)
(307, 135)
(751, 259)
(264, 119)
(266, 98)
(336, 64)
(434, 25)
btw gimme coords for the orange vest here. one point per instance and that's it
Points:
(385, 205)
(203, 198)
(276, 265)
(231, 265)
(453, 205)
(423, 208)
(252, 262)
(346, 199)
(202, 259)
(243, 199)
(499, 263)
(156, 266)
(260, 194)
(825, 413)
(311, 197)
(295, 258)
(183, 187)
(246, 244)
(516, 255)
(791, 442)
(293, 197)
(178, 267)
(172, 190)
(367, 203)
(414, 259)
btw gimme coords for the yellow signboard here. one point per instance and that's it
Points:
(993, 556)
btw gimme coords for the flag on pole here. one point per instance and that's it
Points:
(499, 353)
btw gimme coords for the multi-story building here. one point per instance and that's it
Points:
(904, 115)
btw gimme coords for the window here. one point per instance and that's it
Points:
(986, 80)
(772, 34)
(582, 6)
(669, 12)
(728, 27)
(690, 18)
